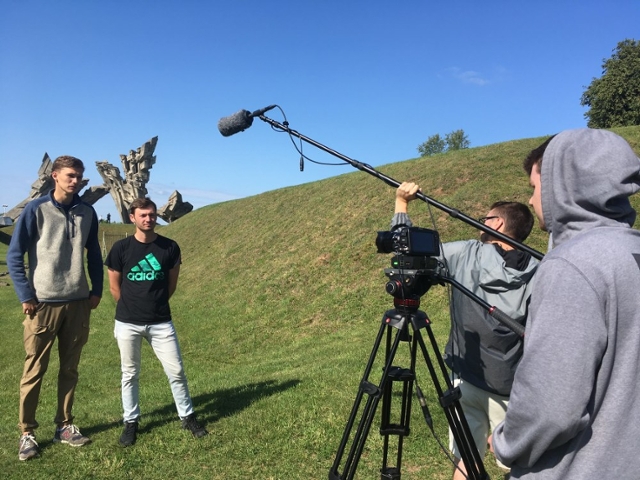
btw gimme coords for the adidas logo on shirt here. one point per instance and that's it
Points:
(148, 269)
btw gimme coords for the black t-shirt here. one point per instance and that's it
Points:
(144, 292)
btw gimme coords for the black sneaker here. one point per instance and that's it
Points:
(191, 423)
(28, 447)
(129, 434)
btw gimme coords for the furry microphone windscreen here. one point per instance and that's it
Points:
(235, 123)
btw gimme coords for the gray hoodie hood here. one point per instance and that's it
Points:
(587, 177)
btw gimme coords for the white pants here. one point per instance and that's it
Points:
(164, 342)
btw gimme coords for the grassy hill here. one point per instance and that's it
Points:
(278, 304)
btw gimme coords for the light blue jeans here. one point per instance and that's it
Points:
(164, 342)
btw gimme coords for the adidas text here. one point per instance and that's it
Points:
(142, 276)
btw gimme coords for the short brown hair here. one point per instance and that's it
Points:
(142, 203)
(518, 219)
(535, 156)
(67, 161)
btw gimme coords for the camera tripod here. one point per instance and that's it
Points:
(408, 322)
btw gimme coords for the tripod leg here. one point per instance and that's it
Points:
(449, 400)
(374, 394)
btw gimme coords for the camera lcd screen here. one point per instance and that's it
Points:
(424, 242)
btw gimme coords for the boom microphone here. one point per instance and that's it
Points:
(239, 121)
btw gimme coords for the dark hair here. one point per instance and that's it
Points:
(518, 219)
(67, 161)
(535, 156)
(142, 203)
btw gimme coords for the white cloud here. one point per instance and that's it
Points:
(497, 75)
(467, 76)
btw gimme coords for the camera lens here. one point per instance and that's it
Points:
(384, 242)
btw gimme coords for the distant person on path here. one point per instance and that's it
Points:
(574, 410)
(482, 353)
(143, 275)
(54, 231)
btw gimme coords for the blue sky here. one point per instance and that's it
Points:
(369, 79)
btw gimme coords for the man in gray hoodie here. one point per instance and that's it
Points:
(574, 411)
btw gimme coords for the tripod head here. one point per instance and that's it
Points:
(409, 279)
(413, 266)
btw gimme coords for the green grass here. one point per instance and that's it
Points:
(279, 301)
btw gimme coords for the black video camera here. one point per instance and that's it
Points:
(411, 241)
(414, 264)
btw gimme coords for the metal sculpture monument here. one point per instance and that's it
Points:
(137, 165)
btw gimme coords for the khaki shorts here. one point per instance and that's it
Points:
(483, 411)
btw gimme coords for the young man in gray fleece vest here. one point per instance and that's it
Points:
(57, 232)
(574, 411)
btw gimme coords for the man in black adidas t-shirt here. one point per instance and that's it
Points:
(143, 274)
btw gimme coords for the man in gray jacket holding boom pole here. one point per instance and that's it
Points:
(575, 404)
(482, 353)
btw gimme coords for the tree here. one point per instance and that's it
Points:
(614, 98)
(434, 144)
(456, 140)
